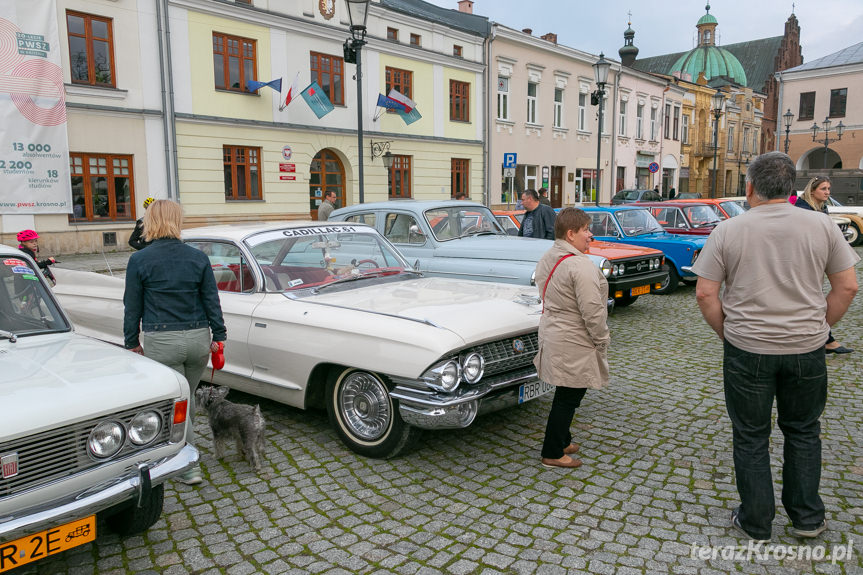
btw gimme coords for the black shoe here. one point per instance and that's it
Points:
(735, 524)
(810, 533)
(840, 349)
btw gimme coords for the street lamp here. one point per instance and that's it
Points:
(358, 12)
(840, 127)
(718, 100)
(600, 74)
(788, 117)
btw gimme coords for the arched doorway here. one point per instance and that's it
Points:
(326, 172)
(823, 159)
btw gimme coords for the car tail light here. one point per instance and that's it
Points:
(178, 427)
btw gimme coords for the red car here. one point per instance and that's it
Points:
(635, 270)
(684, 217)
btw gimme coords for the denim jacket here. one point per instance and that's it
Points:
(170, 287)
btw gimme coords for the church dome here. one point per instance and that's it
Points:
(708, 58)
(713, 61)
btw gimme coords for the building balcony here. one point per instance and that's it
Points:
(704, 149)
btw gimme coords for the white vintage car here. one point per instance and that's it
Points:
(331, 315)
(85, 427)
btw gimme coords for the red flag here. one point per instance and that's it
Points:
(293, 92)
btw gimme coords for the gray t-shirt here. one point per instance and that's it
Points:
(772, 260)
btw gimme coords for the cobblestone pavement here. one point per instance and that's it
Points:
(657, 479)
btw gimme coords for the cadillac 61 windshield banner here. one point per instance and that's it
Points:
(34, 150)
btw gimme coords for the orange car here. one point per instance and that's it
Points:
(635, 270)
(724, 207)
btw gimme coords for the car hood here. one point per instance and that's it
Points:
(614, 251)
(59, 379)
(494, 247)
(664, 238)
(508, 248)
(474, 311)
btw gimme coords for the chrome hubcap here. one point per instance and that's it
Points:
(365, 406)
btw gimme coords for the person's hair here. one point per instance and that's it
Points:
(811, 187)
(163, 219)
(531, 194)
(543, 191)
(570, 219)
(772, 175)
(330, 193)
(461, 196)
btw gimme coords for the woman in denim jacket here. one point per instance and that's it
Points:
(172, 304)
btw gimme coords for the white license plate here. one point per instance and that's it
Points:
(529, 391)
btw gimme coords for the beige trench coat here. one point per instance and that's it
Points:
(573, 333)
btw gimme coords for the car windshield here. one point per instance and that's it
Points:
(733, 209)
(26, 308)
(637, 222)
(297, 259)
(627, 195)
(700, 216)
(453, 222)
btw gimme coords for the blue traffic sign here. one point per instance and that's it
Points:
(509, 160)
(653, 167)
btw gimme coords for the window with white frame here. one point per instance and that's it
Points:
(622, 120)
(676, 129)
(582, 111)
(746, 138)
(558, 108)
(652, 124)
(530, 178)
(666, 122)
(531, 102)
(755, 142)
(639, 121)
(731, 138)
(684, 131)
(502, 98)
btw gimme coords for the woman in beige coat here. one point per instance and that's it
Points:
(573, 334)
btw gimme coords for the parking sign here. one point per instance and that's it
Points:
(509, 160)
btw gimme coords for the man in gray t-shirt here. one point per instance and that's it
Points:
(774, 320)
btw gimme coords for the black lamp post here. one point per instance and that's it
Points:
(600, 74)
(788, 118)
(358, 12)
(827, 126)
(718, 100)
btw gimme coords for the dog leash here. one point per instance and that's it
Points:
(218, 359)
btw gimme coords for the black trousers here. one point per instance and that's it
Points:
(557, 434)
(798, 384)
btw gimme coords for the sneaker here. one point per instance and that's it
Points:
(810, 533)
(735, 524)
(191, 477)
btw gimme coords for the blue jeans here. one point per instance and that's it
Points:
(799, 384)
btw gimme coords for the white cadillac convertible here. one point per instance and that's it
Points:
(331, 315)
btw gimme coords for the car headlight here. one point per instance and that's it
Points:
(605, 267)
(614, 269)
(472, 367)
(145, 427)
(106, 439)
(444, 376)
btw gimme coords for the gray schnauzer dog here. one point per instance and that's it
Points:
(242, 422)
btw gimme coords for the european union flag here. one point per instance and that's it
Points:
(389, 103)
(317, 100)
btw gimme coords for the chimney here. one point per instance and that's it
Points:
(551, 37)
(527, 31)
(465, 6)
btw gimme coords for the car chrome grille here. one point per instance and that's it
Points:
(62, 452)
(501, 355)
(634, 267)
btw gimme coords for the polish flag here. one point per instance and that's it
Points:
(293, 92)
(403, 100)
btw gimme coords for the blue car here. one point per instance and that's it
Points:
(634, 225)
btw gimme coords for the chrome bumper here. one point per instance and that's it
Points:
(686, 269)
(131, 486)
(429, 409)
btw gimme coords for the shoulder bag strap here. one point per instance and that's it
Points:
(548, 279)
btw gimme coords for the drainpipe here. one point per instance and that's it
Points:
(612, 171)
(166, 130)
(173, 122)
(486, 144)
(662, 139)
